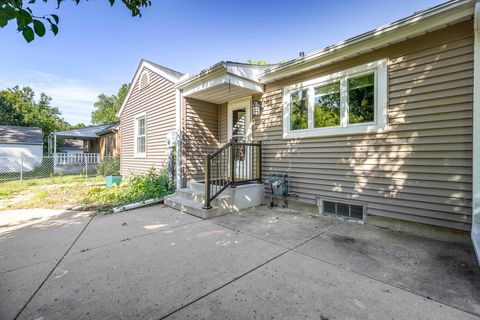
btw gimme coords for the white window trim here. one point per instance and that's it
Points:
(135, 135)
(381, 86)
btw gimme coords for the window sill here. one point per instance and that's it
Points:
(335, 131)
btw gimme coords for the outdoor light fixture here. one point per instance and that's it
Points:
(256, 108)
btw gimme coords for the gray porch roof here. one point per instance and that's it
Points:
(110, 128)
(82, 133)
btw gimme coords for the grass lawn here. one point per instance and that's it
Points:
(55, 192)
(68, 192)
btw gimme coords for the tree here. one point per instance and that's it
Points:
(263, 62)
(30, 24)
(259, 62)
(9, 114)
(107, 107)
(78, 126)
(23, 110)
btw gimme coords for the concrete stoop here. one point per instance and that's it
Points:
(191, 199)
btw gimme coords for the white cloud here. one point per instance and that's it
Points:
(74, 98)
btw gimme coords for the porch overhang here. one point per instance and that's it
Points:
(223, 89)
(223, 82)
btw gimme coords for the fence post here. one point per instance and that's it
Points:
(259, 162)
(207, 204)
(232, 163)
(86, 165)
(21, 170)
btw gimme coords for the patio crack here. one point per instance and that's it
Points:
(251, 270)
(53, 269)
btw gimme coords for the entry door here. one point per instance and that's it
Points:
(240, 131)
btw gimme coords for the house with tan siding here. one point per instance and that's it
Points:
(147, 116)
(382, 128)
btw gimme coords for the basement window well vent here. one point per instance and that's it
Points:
(349, 210)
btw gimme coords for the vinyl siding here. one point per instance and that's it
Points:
(158, 101)
(222, 123)
(200, 136)
(419, 170)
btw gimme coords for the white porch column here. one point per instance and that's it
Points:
(476, 136)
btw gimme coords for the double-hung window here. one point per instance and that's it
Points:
(347, 102)
(140, 142)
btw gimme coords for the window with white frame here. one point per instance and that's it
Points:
(347, 102)
(140, 135)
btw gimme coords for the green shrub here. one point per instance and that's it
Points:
(151, 185)
(109, 167)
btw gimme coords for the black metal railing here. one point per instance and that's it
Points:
(233, 164)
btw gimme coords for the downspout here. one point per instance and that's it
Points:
(476, 136)
(178, 135)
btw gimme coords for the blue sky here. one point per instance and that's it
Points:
(98, 47)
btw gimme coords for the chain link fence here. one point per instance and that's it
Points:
(82, 165)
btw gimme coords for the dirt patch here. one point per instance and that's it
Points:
(15, 201)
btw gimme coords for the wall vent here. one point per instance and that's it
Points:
(144, 80)
(342, 208)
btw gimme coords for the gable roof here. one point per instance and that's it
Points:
(22, 135)
(167, 73)
(419, 23)
(173, 73)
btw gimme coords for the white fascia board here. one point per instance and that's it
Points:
(250, 72)
(145, 64)
(211, 72)
(381, 37)
(226, 78)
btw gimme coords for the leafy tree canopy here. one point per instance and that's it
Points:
(106, 107)
(18, 107)
(259, 62)
(30, 24)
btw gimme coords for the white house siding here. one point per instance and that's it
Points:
(12, 156)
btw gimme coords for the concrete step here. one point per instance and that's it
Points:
(192, 207)
(191, 199)
(199, 196)
(197, 186)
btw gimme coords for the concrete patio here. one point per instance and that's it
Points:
(157, 263)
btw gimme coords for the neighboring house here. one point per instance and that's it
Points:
(379, 127)
(110, 140)
(88, 145)
(21, 148)
(71, 147)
